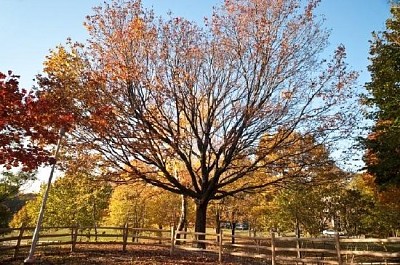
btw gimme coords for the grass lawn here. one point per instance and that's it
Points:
(112, 254)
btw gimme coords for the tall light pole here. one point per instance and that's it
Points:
(35, 237)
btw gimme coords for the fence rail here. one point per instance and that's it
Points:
(273, 249)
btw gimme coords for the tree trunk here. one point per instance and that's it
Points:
(159, 234)
(298, 245)
(217, 221)
(95, 232)
(182, 218)
(201, 220)
(233, 228)
(95, 221)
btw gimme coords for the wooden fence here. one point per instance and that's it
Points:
(273, 249)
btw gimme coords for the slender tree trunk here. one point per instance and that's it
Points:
(233, 229)
(182, 218)
(160, 233)
(233, 226)
(95, 232)
(201, 221)
(298, 245)
(95, 221)
(217, 221)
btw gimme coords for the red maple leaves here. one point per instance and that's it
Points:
(28, 123)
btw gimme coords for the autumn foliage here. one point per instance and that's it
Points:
(28, 122)
(383, 142)
(149, 91)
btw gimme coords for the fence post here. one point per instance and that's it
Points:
(21, 232)
(74, 237)
(124, 237)
(220, 245)
(273, 254)
(337, 244)
(172, 240)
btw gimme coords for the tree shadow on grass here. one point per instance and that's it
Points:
(112, 254)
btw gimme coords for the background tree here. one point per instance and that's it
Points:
(311, 178)
(358, 208)
(352, 208)
(140, 205)
(157, 90)
(383, 217)
(258, 215)
(383, 142)
(232, 211)
(10, 184)
(128, 205)
(387, 213)
(301, 209)
(28, 214)
(73, 200)
(164, 209)
(299, 160)
(22, 217)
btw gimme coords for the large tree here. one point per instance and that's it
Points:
(383, 142)
(155, 90)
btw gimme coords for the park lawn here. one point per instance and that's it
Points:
(112, 254)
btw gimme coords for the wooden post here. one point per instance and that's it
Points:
(172, 240)
(220, 239)
(125, 237)
(337, 244)
(273, 254)
(74, 237)
(21, 232)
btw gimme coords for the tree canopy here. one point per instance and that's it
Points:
(75, 199)
(151, 90)
(10, 184)
(18, 123)
(383, 142)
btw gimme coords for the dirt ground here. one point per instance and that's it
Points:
(109, 254)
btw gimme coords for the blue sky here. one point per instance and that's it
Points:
(29, 28)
